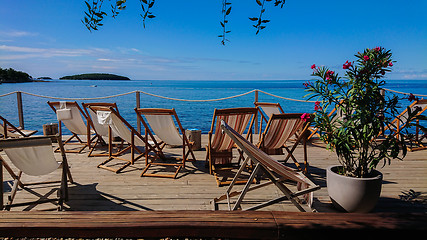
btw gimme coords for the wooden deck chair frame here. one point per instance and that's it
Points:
(186, 145)
(397, 124)
(278, 137)
(271, 168)
(8, 130)
(66, 176)
(99, 140)
(134, 135)
(216, 137)
(263, 113)
(85, 119)
(314, 131)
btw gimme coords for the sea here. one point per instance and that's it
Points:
(194, 101)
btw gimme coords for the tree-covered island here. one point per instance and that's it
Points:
(94, 76)
(12, 76)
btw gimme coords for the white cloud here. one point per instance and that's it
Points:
(15, 33)
(30, 52)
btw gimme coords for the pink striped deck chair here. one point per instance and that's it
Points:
(219, 149)
(266, 110)
(276, 172)
(280, 128)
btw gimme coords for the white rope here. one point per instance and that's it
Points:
(95, 98)
(290, 99)
(191, 100)
(4, 95)
(419, 95)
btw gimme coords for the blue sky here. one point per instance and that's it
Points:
(47, 38)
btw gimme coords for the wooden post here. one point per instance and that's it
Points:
(20, 109)
(382, 92)
(1, 185)
(138, 105)
(256, 120)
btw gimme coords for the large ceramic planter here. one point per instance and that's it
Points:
(353, 194)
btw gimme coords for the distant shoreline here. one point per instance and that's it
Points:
(95, 76)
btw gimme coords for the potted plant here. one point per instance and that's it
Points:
(352, 131)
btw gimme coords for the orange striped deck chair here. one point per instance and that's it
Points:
(219, 149)
(75, 119)
(402, 119)
(8, 130)
(276, 172)
(266, 110)
(161, 122)
(280, 128)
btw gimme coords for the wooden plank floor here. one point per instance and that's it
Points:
(95, 189)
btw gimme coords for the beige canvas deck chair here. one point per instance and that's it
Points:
(8, 130)
(280, 128)
(34, 156)
(101, 131)
(75, 120)
(161, 122)
(219, 149)
(266, 110)
(118, 126)
(276, 172)
(402, 119)
(339, 116)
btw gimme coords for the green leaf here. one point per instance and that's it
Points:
(259, 2)
(151, 16)
(222, 24)
(144, 1)
(253, 19)
(228, 11)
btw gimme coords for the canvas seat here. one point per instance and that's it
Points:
(279, 130)
(277, 173)
(8, 130)
(161, 123)
(101, 131)
(75, 120)
(219, 150)
(34, 156)
(118, 126)
(394, 128)
(266, 110)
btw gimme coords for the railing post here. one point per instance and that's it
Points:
(381, 113)
(138, 105)
(20, 109)
(256, 122)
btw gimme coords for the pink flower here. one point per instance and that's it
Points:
(366, 58)
(412, 97)
(313, 66)
(390, 64)
(346, 65)
(317, 106)
(305, 117)
(307, 84)
(377, 49)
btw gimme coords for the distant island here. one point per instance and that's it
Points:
(95, 76)
(12, 76)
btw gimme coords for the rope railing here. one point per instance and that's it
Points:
(185, 100)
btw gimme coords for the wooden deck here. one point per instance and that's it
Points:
(95, 189)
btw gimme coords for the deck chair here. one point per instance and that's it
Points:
(34, 156)
(8, 130)
(266, 110)
(219, 149)
(75, 120)
(280, 128)
(276, 172)
(161, 122)
(336, 117)
(101, 130)
(402, 119)
(118, 126)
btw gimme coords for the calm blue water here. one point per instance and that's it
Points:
(191, 114)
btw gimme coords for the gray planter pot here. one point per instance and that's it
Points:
(353, 194)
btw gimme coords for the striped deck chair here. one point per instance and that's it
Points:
(75, 120)
(219, 149)
(161, 122)
(280, 128)
(118, 126)
(34, 156)
(101, 130)
(266, 110)
(402, 119)
(337, 116)
(8, 130)
(276, 172)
